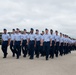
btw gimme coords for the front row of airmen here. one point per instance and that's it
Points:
(44, 44)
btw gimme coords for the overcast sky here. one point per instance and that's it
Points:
(39, 14)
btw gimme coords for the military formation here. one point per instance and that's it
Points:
(48, 44)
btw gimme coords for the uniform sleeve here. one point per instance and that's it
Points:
(50, 36)
(28, 36)
(55, 37)
(2, 36)
(59, 38)
(35, 36)
(9, 36)
(21, 36)
(42, 37)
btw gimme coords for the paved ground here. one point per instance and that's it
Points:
(65, 65)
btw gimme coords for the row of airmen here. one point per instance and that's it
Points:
(47, 44)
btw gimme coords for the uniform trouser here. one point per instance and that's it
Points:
(47, 48)
(65, 48)
(31, 48)
(28, 49)
(70, 49)
(24, 47)
(42, 51)
(52, 49)
(20, 50)
(57, 49)
(12, 47)
(4, 47)
(37, 48)
(17, 48)
(61, 49)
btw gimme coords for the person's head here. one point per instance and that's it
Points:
(61, 34)
(5, 31)
(42, 32)
(56, 32)
(51, 31)
(31, 30)
(65, 36)
(17, 30)
(37, 31)
(13, 31)
(24, 30)
(46, 31)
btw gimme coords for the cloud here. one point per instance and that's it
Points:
(55, 14)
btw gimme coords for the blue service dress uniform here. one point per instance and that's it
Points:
(5, 38)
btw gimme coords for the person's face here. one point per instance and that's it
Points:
(65, 36)
(46, 31)
(25, 31)
(51, 32)
(31, 31)
(13, 31)
(5, 31)
(42, 33)
(56, 33)
(61, 35)
(37, 32)
(17, 31)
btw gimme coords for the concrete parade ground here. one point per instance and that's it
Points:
(65, 65)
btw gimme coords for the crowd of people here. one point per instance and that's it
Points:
(47, 44)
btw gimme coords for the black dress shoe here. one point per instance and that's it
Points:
(13, 55)
(46, 58)
(4, 57)
(37, 56)
(17, 58)
(52, 57)
(6, 54)
(24, 56)
(31, 58)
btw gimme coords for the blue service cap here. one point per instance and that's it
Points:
(13, 29)
(31, 29)
(17, 28)
(4, 29)
(37, 30)
(24, 29)
(46, 29)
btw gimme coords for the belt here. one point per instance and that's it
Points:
(53, 41)
(24, 40)
(32, 40)
(46, 41)
(37, 41)
(5, 41)
(17, 41)
(57, 42)
(12, 40)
